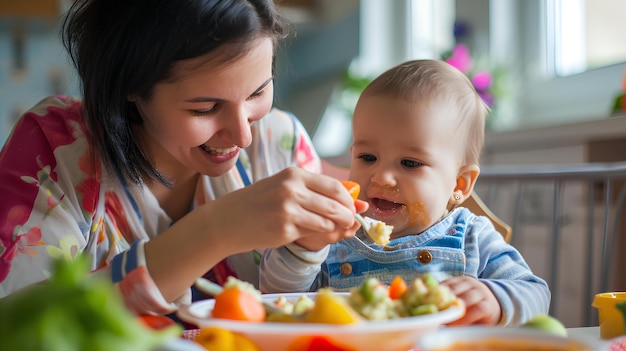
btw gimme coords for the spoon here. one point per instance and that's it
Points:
(362, 222)
(369, 227)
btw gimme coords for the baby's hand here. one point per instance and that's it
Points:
(481, 304)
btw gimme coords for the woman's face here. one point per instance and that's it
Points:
(198, 123)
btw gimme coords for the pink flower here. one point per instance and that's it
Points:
(461, 58)
(482, 80)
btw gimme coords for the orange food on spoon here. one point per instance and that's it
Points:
(353, 188)
(237, 304)
(377, 230)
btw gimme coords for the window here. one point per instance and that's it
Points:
(584, 35)
(561, 54)
(569, 72)
(564, 59)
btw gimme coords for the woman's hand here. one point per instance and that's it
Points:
(319, 241)
(293, 205)
(481, 305)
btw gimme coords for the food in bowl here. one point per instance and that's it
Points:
(394, 331)
(372, 300)
(425, 295)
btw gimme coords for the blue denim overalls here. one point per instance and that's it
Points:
(439, 250)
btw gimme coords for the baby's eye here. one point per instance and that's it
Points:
(367, 158)
(411, 163)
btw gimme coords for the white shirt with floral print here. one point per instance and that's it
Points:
(58, 201)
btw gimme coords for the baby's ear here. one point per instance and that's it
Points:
(465, 182)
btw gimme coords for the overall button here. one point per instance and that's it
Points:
(424, 256)
(346, 268)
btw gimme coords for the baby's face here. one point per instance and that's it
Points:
(406, 157)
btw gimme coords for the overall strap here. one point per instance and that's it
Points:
(243, 173)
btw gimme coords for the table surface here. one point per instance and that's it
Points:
(590, 335)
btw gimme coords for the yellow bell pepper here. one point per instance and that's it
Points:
(332, 309)
(220, 339)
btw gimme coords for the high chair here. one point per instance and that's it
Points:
(570, 226)
(478, 207)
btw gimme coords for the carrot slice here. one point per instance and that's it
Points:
(156, 322)
(397, 288)
(237, 304)
(353, 188)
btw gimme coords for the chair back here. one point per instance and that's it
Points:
(478, 207)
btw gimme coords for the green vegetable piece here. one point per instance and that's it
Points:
(303, 305)
(367, 289)
(74, 311)
(429, 280)
(423, 309)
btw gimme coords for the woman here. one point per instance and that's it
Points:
(172, 160)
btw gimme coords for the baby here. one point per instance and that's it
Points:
(418, 132)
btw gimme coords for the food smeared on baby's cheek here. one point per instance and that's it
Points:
(417, 215)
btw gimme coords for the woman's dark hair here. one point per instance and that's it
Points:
(122, 48)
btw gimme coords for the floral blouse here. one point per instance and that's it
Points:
(57, 200)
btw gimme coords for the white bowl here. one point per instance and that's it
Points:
(391, 335)
(178, 344)
(498, 339)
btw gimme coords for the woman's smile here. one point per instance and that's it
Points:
(220, 155)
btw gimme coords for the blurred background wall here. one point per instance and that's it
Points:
(363, 38)
(33, 63)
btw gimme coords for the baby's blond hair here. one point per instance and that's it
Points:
(439, 82)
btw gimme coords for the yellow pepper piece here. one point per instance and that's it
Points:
(331, 308)
(220, 339)
(281, 318)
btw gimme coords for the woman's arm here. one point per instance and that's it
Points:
(287, 201)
